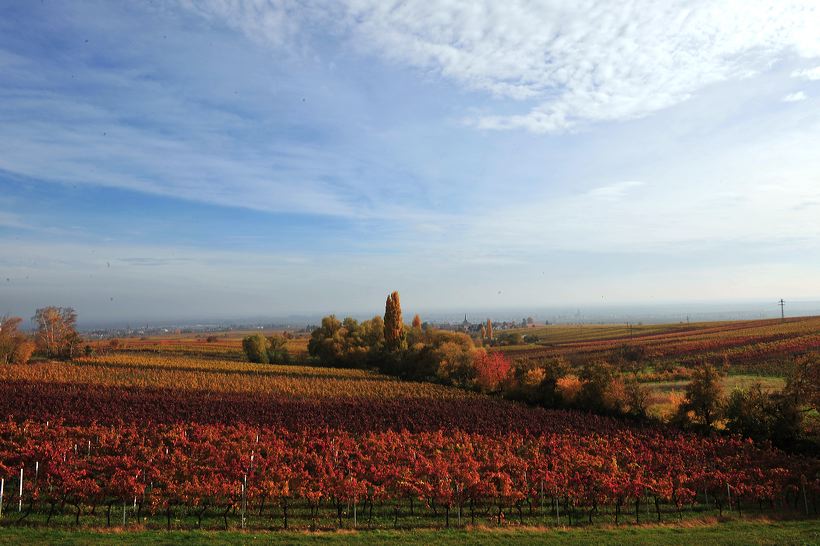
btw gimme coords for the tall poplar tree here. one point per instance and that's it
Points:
(393, 325)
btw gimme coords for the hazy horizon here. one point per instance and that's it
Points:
(656, 313)
(208, 158)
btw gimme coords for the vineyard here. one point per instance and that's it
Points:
(146, 439)
(763, 345)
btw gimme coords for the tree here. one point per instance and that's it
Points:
(760, 415)
(631, 356)
(489, 330)
(511, 338)
(803, 382)
(455, 364)
(393, 325)
(324, 342)
(23, 351)
(15, 347)
(704, 395)
(348, 344)
(747, 413)
(415, 334)
(636, 397)
(256, 348)
(277, 349)
(57, 335)
(491, 370)
(596, 378)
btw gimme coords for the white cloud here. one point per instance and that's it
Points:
(795, 97)
(811, 74)
(588, 61)
(614, 192)
(578, 62)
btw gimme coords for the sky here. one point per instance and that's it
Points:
(221, 158)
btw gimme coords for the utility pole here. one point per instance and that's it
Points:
(782, 303)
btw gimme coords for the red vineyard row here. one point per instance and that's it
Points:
(165, 467)
(84, 404)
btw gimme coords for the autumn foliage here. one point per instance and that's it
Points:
(491, 370)
(15, 346)
(393, 325)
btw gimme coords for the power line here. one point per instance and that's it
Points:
(782, 304)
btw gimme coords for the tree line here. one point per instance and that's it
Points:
(417, 351)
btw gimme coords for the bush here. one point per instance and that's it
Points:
(568, 388)
(509, 338)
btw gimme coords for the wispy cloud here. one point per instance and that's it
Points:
(578, 62)
(795, 97)
(811, 74)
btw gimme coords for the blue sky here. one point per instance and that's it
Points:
(235, 159)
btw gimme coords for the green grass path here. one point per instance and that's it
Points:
(806, 532)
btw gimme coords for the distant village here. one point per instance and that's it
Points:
(467, 326)
(475, 327)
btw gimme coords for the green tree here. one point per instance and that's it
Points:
(325, 341)
(803, 381)
(277, 349)
(760, 415)
(748, 413)
(455, 364)
(256, 348)
(510, 338)
(596, 378)
(636, 397)
(348, 343)
(704, 395)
